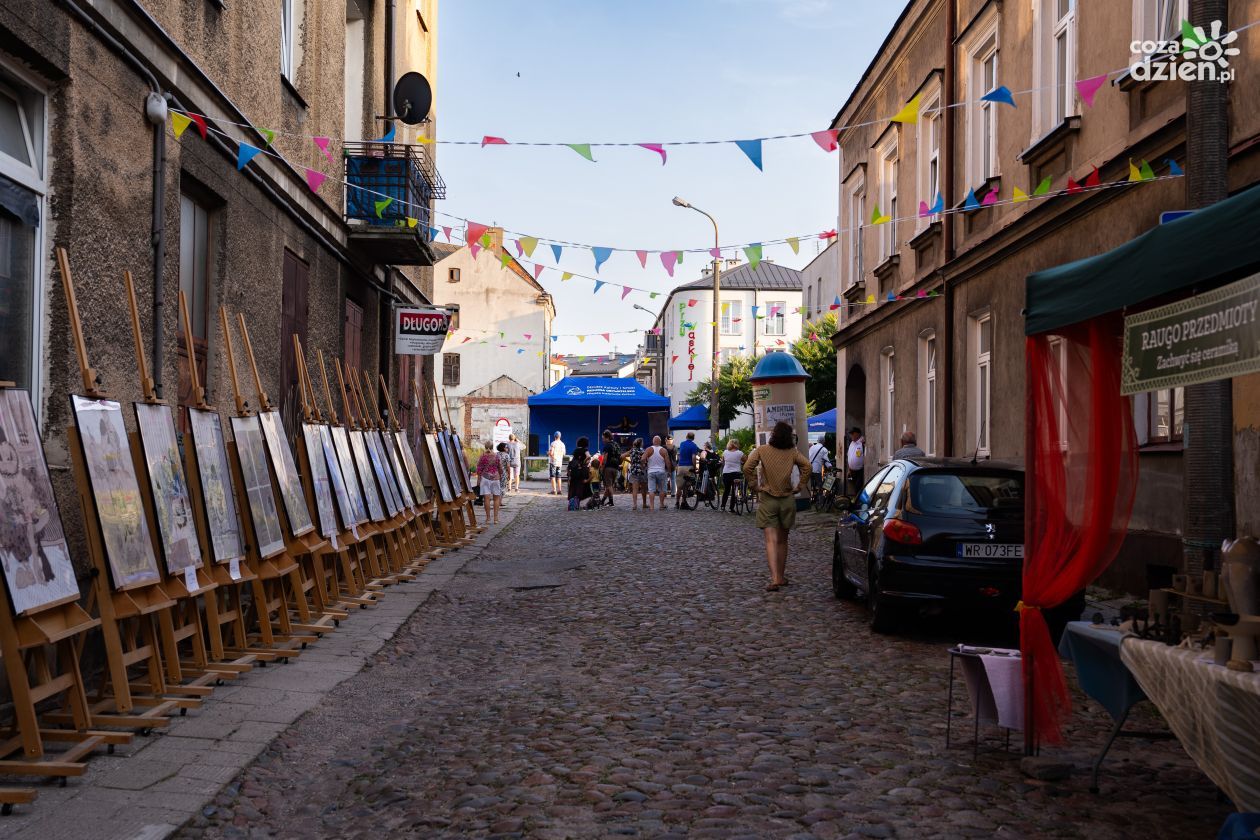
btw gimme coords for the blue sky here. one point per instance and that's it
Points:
(645, 71)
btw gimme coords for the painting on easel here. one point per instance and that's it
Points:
(392, 502)
(257, 481)
(390, 445)
(286, 474)
(435, 459)
(112, 476)
(345, 459)
(176, 527)
(459, 478)
(216, 485)
(364, 466)
(33, 548)
(320, 481)
(463, 458)
(413, 472)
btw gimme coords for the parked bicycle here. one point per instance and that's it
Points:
(824, 495)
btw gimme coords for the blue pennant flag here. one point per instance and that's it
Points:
(556, 249)
(971, 203)
(599, 284)
(1000, 94)
(752, 148)
(892, 296)
(939, 205)
(1173, 168)
(244, 154)
(555, 337)
(389, 136)
(601, 255)
(433, 232)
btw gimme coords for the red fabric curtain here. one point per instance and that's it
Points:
(1081, 477)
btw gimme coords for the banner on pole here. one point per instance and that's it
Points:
(419, 331)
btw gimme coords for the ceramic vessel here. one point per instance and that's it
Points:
(1240, 575)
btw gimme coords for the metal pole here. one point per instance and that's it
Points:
(717, 319)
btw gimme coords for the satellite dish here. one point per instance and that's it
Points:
(413, 97)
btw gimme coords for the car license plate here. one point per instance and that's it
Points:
(990, 551)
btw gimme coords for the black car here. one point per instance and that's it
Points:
(933, 532)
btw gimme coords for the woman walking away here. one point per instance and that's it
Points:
(490, 479)
(579, 475)
(659, 467)
(776, 492)
(732, 466)
(637, 475)
(514, 464)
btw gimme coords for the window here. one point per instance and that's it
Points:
(732, 317)
(293, 312)
(196, 227)
(22, 189)
(929, 152)
(1159, 20)
(1064, 57)
(1054, 64)
(353, 334)
(776, 317)
(450, 369)
(888, 172)
(927, 392)
(889, 402)
(452, 275)
(288, 36)
(857, 222)
(453, 308)
(1166, 415)
(809, 294)
(980, 48)
(981, 341)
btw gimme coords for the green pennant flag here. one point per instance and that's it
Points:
(1146, 171)
(381, 205)
(485, 239)
(268, 133)
(753, 252)
(583, 149)
(504, 258)
(1043, 187)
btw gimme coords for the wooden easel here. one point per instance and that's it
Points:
(450, 513)
(129, 614)
(458, 446)
(423, 509)
(396, 549)
(276, 633)
(182, 623)
(40, 648)
(463, 491)
(412, 539)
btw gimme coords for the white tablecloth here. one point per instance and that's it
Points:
(1214, 712)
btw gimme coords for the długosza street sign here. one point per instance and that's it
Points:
(419, 331)
(1215, 335)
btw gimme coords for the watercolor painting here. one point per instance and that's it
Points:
(363, 465)
(328, 451)
(287, 477)
(424, 463)
(413, 472)
(112, 478)
(33, 547)
(459, 479)
(439, 470)
(463, 461)
(178, 531)
(257, 481)
(345, 459)
(378, 469)
(390, 448)
(321, 484)
(216, 486)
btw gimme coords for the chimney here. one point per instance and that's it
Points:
(496, 239)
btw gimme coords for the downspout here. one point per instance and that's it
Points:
(947, 230)
(385, 313)
(155, 111)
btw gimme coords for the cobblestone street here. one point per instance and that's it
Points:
(624, 673)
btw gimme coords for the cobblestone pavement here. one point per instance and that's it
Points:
(621, 673)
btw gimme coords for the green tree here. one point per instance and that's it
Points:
(734, 388)
(818, 358)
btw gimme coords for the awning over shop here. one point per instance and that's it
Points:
(582, 406)
(696, 417)
(599, 391)
(825, 422)
(1216, 243)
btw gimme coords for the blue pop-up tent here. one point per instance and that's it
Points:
(696, 417)
(584, 406)
(825, 422)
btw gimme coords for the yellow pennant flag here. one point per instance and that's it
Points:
(1135, 174)
(870, 298)
(528, 244)
(178, 123)
(795, 243)
(878, 218)
(581, 338)
(1020, 195)
(726, 307)
(412, 222)
(909, 113)
(565, 276)
(425, 140)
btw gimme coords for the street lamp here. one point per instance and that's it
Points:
(717, 304)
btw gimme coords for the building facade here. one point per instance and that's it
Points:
(90, 162)
(821, 281)
(933, 339)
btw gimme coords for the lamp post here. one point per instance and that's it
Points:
(717, 304)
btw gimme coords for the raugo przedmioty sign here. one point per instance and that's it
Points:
(1215, 335)
(419, 331)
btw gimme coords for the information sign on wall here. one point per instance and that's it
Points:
(419, 331)
(1215, 335)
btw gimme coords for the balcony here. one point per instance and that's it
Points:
(389, 202)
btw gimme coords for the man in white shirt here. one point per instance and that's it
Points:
(855, 459)
(555, 462)
(819, 463)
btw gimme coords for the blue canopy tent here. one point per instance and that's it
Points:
(825, 422)
(694, 418)
(584, 406)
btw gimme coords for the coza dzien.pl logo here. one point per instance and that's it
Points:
(1198, 56)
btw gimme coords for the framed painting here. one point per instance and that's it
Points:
(378, 441)
(223, 523)
(252, 453)
(377, 459)
(409, 464)
(462, 460)
(328, 453)
(345, 461)
(424, 464)
(33, 549)
(396, 467)
(439, 469)
(321, 483)
(115, 491)
(181, 547)
(287, 477)
(363, 465)
(459, 479)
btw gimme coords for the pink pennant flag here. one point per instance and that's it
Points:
(314, 178)
(200, 122)
(491, 140)
(520, 249)
(668, 259)
(538, 270)
(474, 249)
(716, 253)
(475, 232)
(656, 330)
(642, 255)
(446, 230)
(827, 234)
(323, 142)
(779, 341)
(528, 336)
(923, 209)
(658, 148)
(813, 336)
(607, 336)
(991, 198)
(625, 290)
(467, 339)
(827, 140)
(1088, 88)
(921, 293)
(673, 360)
(692, 302)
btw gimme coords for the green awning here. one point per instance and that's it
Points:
(1216, 243)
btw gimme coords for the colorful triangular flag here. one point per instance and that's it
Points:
(601, 256)
(491, 140)
(1093, 179)
(1044, 187)
(179, 123)
(599, 284)
(446, 231)
(266, 132)
(1072, 187)
(565, 275)
(909, 112)
(669, 259)
(970, 203)
(827, 140)
(991, 198)
(1146, 171)
(314, 178)
(245, 153)
(538, 270)
(625, 290)
(1088, 88)
(753, 253)
(1135, 174)
(381, 205)
(504, 258)
(752, 148)
(583, 149)
(323, 142)
(474, 231)
(878, 218)
(1020, 195)
(1173, 168)
(388, 137)
(200, 122)
(795, 244)
(1000, 94)
(642, 255)
(528, 244)
(655, 147)
(835, 304)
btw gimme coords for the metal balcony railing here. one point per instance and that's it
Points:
(391, 183)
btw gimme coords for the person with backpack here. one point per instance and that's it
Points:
(637, 474)
(659, 467)
(579, 475)
(611, 466)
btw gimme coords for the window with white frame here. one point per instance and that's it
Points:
(288, 37)
(980, 64)
(1158, 20)
(776, 317)
(809, 294)
(1165, 415)
(856, 219)
(981, 386)
(22, 189)
(927, 391)
(888, 171)
(929, 147)
(888, 401)
(1054, 64)
(732, 316)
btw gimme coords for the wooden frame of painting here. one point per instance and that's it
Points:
(287, 478)
(177, 529)
(261, 502)
(459, 478)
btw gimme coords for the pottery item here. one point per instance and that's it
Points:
(1240, 575)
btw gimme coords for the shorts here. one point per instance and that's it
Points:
(776, 511)
(636, 479)
(610, 477)
(491, 487)
(656, 482)
(554, 470)
(679, 472)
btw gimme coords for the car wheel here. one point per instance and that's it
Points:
(881, 613)
(840, 585)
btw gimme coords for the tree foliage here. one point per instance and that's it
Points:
(734, 389)
(819, 360)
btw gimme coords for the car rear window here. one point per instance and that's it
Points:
(989, 494)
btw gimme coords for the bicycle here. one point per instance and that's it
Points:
(824, 495)
(687, 497)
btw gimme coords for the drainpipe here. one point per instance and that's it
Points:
(155, 111)
(1208, 460)
(947, 230)
(389, 56)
